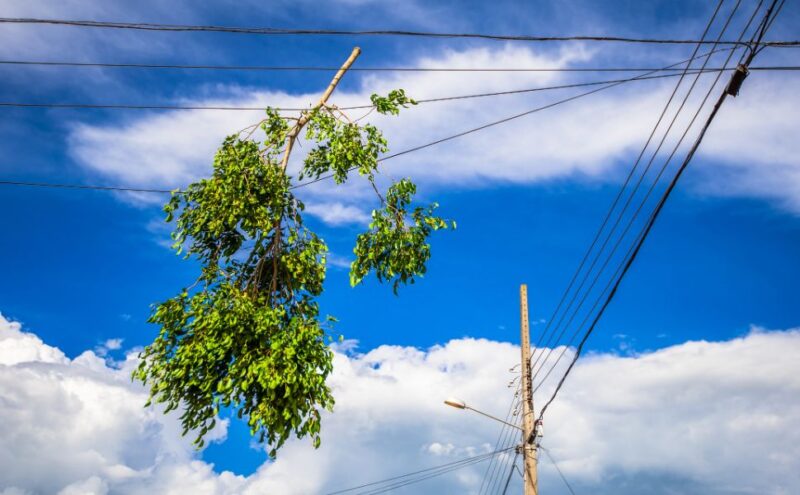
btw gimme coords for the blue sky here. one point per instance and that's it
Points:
(82, 267)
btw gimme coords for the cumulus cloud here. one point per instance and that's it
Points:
(593, 138)
(698, 412)
(78, 426)
(17, 346)
(688, 418)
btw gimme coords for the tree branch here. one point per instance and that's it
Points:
(303, 120)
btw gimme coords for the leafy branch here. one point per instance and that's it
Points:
(247, 335)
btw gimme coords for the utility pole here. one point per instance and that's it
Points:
(528, 425)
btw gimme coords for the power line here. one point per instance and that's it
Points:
(522, 114)
(114, 106)
(500, 443)
(510, 473)
(632, 219)
(422, 474)
(388, 157)
(636, 213)
(768, 25)
(417, 480)
(53, 185)
(542, 343)
(558, 469)
(415, 473)
(278, 68)
(765, 24)
(505, 473)
(271, 31)
(497, 474)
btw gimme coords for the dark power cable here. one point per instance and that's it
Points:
(513, 117)
(654, 216)
(558, 469)
(633, 218)
(52, 185)
(279, 68)
(636, 212)
(633, 193)
(501, 443)
(270, 31)
(428, 472)
(544, 343)
(510, 473)
(122, 106)
(325, 177)
(388, 157)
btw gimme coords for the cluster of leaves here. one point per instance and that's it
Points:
(396, 246)
(247, 335)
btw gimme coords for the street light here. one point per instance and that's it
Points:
(460, 404)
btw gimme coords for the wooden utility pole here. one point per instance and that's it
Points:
(528, 424)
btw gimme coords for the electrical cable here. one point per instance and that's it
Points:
(541, 342)
(405, 483)
(768, 25)
(401, 484)
(145, 26)
(513, 440)
(498, 122)
(659, 207)
(501, 441)
(498, 474)
(635, 189)
(505, 472)
(118, 106)
(510, 473)
(630, 222)
(635, 214)
(443, 467)
(53, 185)
(506, 442)
(279, 68)
(558, 469)
(328, 176)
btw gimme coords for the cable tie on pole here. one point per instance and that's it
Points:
(737, 79)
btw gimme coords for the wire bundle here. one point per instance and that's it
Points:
(618, 231)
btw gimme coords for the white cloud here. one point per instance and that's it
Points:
(589, 138)
(754, 144)
(338, 261)
(78, 425)
(688, 418)
(26, 40)
(338, 213)
(93, 485)
(20, 347)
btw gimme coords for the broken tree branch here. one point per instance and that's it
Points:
(301, 122)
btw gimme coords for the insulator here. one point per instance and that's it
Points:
(737, 79)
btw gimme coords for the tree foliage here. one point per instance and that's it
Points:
(247, 335)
